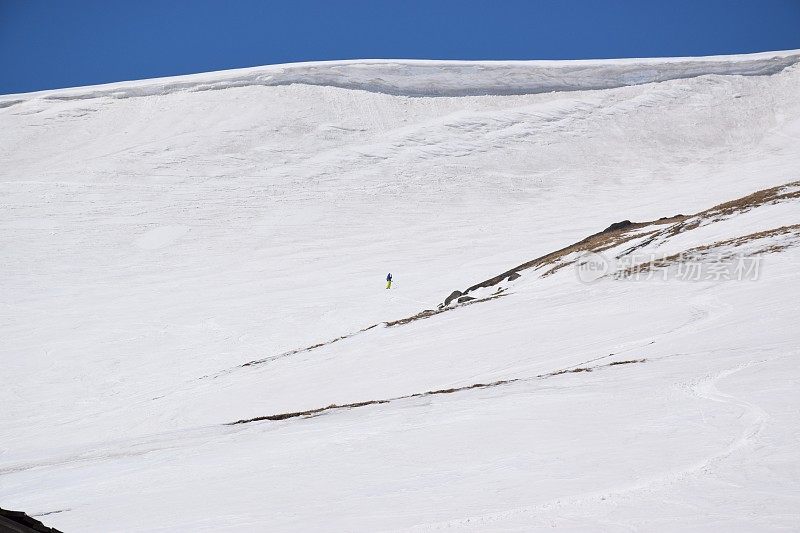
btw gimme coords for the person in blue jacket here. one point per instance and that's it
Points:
(389, 280)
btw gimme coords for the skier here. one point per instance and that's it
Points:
(389, 280)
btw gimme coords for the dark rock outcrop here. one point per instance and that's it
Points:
(19, 522)
(453, 296)
(618, 225)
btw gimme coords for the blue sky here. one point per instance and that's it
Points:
(50, 44)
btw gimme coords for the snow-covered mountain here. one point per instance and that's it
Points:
(196, 334)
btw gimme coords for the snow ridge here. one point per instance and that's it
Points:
(442, 78)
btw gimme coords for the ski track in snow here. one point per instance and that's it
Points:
(704, 389)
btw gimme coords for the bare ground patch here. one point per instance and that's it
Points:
(392, 323)
(432, 312)
(610, 237)
(625, 231)
(334, 407)
(699, 253)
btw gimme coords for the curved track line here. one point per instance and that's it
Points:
(704, 388)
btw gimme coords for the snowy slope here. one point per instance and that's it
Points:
(157, 236)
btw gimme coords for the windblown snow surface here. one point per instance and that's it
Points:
(179, 255)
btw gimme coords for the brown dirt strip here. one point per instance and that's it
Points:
(614, 235)
(622, 232)
(333, 406)
(698, 252)
(432, 312)
(392, 323)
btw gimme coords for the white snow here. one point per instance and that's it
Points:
(160, 237)
(156, 235)
(444, 78)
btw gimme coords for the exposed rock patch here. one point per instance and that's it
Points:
(617, 226)
(333, 407)
(19, 522)
(621, 232)
(453, 296)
